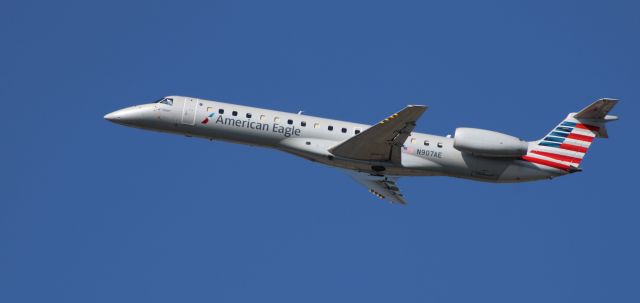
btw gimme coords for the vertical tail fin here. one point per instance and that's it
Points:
(565, 146)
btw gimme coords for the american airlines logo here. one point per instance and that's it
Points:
(206, 119)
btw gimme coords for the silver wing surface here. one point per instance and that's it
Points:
(383, 141)
(384, 187)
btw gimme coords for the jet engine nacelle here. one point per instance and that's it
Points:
(488, 143)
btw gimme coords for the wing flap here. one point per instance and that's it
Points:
(383, 187)
(383, 141)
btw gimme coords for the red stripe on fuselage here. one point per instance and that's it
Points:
(546, 163)
(580, 137)
(589, 127)
(575, 148)
(557, 157)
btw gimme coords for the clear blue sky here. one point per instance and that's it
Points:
(95, 212)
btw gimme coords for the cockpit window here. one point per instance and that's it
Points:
(167, 101)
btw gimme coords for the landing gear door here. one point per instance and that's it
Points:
(189, 111)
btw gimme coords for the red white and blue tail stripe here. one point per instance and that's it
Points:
(565, 146)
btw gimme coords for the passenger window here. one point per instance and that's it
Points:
(209, 109)
(289, 121)
(316, 125)
(276, 119)
(263, 117)
(221, 111)
(413, 140)
(248, 115)
(330, 127)
(426, 142)
(344, 130)
(303, 123)
(439, 144)
(234, 113)
(357, 131)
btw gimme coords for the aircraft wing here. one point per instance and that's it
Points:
(383, 187)
(383, 141)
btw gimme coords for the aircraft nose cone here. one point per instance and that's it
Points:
(116, 116)
(110, 117)
(130, 116)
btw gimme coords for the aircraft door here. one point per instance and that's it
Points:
(189, 108)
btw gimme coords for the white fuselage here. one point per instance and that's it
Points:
(311, 138)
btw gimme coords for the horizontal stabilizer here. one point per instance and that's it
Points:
(597, 110)
(596, 115)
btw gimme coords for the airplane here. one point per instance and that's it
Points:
(377, 155)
